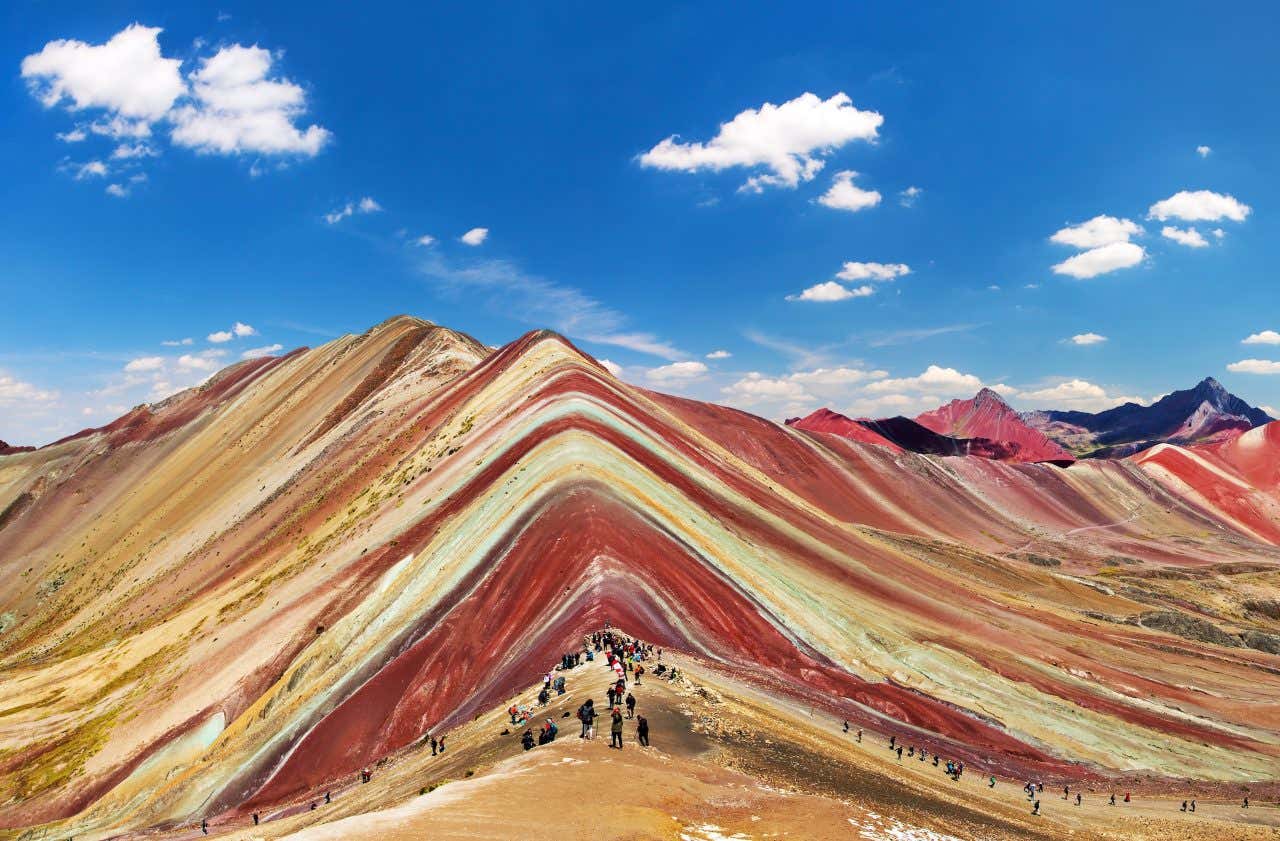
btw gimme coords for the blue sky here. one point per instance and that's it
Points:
(658, 185)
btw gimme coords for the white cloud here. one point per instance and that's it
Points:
(822, 379)
(145, 363)
(238, 109)
(14, 391)
(126, 76)
(178, 342)
(1203, 151)
(475, 236)
(1254, 366)
(756, 388)
(197, 362)
(829, 291)
(425, 240)
(1189, 237)
(907, 198)
(1200, 206)
(677, 372)
(612, 367)
(872, 271)
(1087, 339)
(1003, 390)
(91, 169)
(719, 354)
(76, 135)
(1098, 231)
(1101, 260)
(126, 151)
(242, 329)
(220, 336)
(933, 380)
(845, 195)
(1218, 233)
(118, 190)
(787, 141)
(267, 350)
(1266, 337)
(1076, 394)
(364, 205)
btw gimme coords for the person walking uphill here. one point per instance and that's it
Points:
(642, 731)
(615, 730)
(631, 705)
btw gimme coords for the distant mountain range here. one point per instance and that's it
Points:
(1202, 414)
(987, 426)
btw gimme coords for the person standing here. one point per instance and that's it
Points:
(615, 730)
(642, 732)
(631, 705)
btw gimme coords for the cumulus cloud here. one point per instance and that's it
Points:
(238, 108)
(719, 354)
(1203, 151)
(266, 350)
(475, 236)
(1218, 233)
(232, 103)
(1087, 339)
(1101, 260)
(756, 388)
(1098, 231)
(91, 169)
(787, 141)
(144, 363)
(1189, 237)
(126, 76)
(1076, 394)
(907, 198)
(845, 195)
(1265, 337)
(829, 291)
(178, 342)
(238, 330)
(934, 380)
(18, 392)
(872, 271)
(1254, 366)
(677, 372)
(364, 205)
(1200, 206)
(205, 361)
(612, 367)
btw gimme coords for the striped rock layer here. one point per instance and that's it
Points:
(270, 581)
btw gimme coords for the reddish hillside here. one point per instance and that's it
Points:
(825, 420)
(986, 415)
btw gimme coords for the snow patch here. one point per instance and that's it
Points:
(876, 828)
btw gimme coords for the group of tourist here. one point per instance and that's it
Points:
(955, 768)
(625, 657)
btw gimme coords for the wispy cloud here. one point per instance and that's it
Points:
(507, 288)
(917, 334)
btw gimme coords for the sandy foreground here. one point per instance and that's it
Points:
(726, 762)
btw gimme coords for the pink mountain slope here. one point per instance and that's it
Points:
(825, 420)
(986, 415)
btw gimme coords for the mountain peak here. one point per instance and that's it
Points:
(986, 395)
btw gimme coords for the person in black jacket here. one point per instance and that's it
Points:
(642, 731)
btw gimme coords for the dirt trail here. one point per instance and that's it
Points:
(726, 762)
